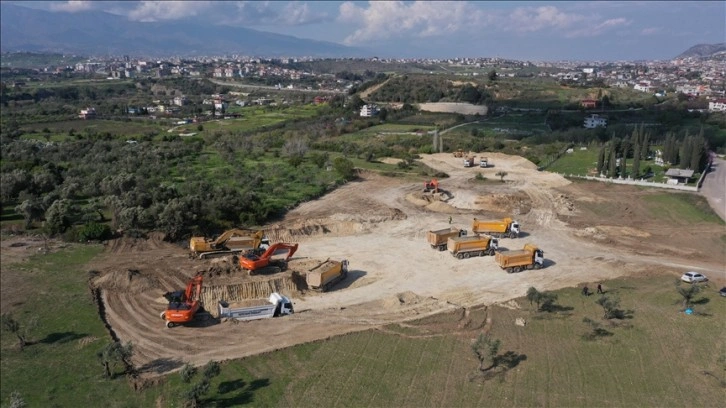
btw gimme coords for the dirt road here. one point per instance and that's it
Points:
(588, 232)
(714, 187)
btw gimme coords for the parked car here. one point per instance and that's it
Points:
(722, 292)
(693, 277)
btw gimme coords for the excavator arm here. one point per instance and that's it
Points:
(236, 232)
(201, 245)
(253, 262)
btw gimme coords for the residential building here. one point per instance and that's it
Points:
(679, 176)
(368, 111)
(180, 100)
(594, 121)
(88, 113)
(588, 103)
(717, 105)
(642, 87)
(220, 105)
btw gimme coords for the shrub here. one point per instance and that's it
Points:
(94, 231)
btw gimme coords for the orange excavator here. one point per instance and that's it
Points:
(254, 263)
(432, 186)
(183, 305)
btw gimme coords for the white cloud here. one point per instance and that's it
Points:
(381, 20)
(72, 6)
(265, 13)
(529, 19)
(167, 10)
(296, 13)
(390, 19)
(650, 31)
(598, 29)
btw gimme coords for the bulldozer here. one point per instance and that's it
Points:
(459, 153)
(229, 242)
(257, 264)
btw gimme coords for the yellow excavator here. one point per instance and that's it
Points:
(230, 242)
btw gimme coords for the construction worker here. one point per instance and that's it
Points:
(449, 219)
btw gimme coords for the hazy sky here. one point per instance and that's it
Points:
(587, 30)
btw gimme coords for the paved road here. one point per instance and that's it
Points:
(714, 187)
(274, 88)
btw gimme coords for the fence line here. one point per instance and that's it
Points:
(640, 182)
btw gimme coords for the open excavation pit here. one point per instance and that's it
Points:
(335, 225)
(259, 289)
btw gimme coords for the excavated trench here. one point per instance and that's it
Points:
(286, 285)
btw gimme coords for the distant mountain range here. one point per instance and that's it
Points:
(100, 33)
(703, 50)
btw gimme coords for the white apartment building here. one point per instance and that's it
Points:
(593, 121)
(368, 110)
(717, 105)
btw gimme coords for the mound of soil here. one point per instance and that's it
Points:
(506, 203)
(130, 280)
(125, 244)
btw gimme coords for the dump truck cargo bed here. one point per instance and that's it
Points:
(439, 238)
(326, 274)
(513, 258)
(464, 247)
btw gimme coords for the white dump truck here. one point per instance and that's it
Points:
(276, 305)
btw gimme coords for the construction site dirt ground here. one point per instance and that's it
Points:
(590, 232)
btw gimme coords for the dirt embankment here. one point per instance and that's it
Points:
(454, 107)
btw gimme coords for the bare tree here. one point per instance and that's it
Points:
(688, 292)
(18, 329)
(501, 175)
(295, 147)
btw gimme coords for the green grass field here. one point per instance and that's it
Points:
(61, 369)
(658, 357)
(388, 129)
(683, 206)
(255, 118)
(584, 162)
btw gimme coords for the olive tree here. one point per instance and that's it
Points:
(485, 349)
(114, 353)
(59, 216)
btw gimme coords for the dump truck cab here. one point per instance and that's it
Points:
(514, 227)
(539, 257)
